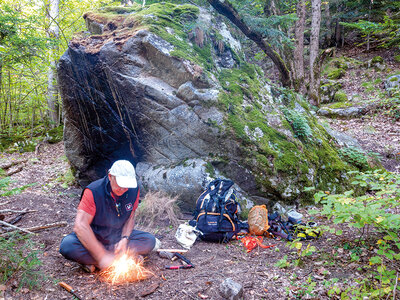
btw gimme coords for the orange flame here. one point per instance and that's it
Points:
(125, 268)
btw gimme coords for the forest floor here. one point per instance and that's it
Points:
(318, 274)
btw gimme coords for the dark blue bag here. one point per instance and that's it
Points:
(216, 214)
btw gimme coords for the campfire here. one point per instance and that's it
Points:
(125, 268)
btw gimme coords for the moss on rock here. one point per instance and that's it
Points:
(340, 96)
(377, 59)
(282, 144)
(336, 73)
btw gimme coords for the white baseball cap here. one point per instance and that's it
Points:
(124, 173)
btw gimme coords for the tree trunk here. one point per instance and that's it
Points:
(314, 49)
(298, 53)
(328, 25)
(227, 10)
(52, 86)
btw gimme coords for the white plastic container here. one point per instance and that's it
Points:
(295, 217)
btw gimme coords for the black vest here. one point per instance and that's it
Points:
(106, 224)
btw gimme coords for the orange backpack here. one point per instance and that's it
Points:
(258, 220)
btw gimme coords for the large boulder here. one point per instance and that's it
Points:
(168, 88)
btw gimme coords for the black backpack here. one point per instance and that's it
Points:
(216, 214)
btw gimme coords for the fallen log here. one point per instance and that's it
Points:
(12, 163)
(14, 170)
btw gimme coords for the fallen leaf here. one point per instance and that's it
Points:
(209, 282)
(2, 287)
(265, 290)
(202, 296)
(163, 277)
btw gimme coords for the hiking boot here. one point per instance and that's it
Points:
(88, 268)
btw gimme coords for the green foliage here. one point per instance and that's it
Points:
(302, 251)
(397, 58)
(375, 211)
(19, 261)
(282, 263)
(366, 27)
(25, 55)
(5, 191)
(298, 122)
(355, 157)
(385, 31)
(55, 135)
(67, 179)
(391, 105)
(18, 36)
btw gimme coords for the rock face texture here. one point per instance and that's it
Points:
(184, 107)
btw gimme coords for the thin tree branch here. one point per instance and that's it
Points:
(15, 227)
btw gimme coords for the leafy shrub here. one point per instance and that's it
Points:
(391, 105)
(375, 212)
(19, 261)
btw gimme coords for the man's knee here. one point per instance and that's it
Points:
(68, 246)
(142, 242)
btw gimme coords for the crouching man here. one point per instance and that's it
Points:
(105, 220)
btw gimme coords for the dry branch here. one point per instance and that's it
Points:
(4, 203)
(47, 226)
(172, 250)
(17, 211)
(15, 227)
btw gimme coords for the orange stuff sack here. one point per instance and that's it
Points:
(258, 220)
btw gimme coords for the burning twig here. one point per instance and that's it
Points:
(125, 268)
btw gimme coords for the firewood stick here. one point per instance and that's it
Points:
(47, 226)
(15, 227)
(173, 250)
(17, 211)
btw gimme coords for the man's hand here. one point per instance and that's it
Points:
(121, 246)
(106, 260)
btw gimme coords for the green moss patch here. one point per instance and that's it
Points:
(377, 59)
(336, 73)
(340, 96)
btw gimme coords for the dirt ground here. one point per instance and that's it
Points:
(255, 271)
